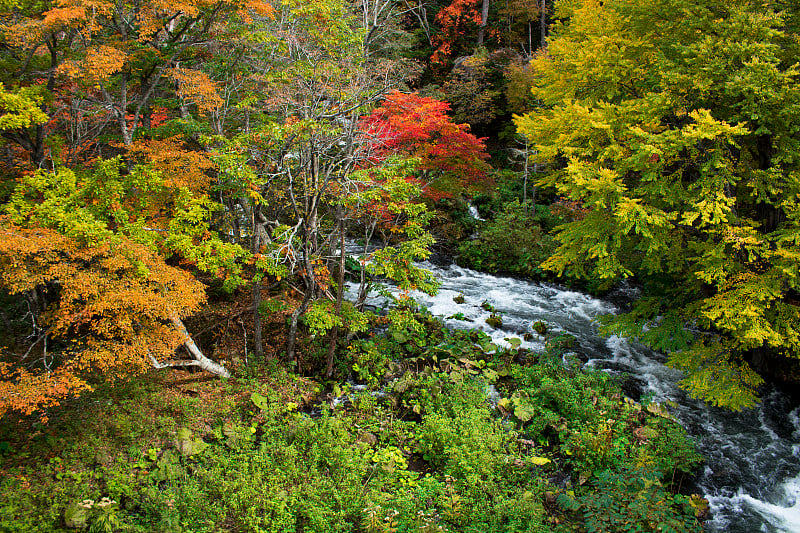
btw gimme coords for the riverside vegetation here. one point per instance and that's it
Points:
(455, 434)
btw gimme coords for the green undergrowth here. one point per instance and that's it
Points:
(466, 437)
(518, 237)
(514, 241)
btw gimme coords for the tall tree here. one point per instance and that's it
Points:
(675, 124)
(314, 80)
(521, 19)
(484, 22)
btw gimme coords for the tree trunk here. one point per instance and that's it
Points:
(339, 296)
(311, 289)
(530, 40)
(362, 287)
(291, 342)
(421, 13)
(258, 341)
(484, 21)
(199, 359)
(543, 24)
(258, 223)
(533, 190)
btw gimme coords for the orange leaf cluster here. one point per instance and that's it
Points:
(322, 275)
(96, 66)
(115, 297)
(197, 88)
(181, 168)
(27, 392)
(453, 21)
(32, 32)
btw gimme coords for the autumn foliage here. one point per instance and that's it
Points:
(113, 297)
(92, 249)
(146, 142)
(458, 19)
(419, 127)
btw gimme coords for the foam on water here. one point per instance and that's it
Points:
(473, 212)
(794, 418)
(786, 517)
(783, 517)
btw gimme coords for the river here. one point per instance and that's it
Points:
(752, 472)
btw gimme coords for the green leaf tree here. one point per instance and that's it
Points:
(294, 169)
(675, 124)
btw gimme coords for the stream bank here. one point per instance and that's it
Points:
(753, 457)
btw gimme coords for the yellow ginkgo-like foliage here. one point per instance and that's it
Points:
(678, 135)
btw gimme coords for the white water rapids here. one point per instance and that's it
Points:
(752, 472)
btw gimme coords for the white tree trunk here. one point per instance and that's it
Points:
(199, 358)
(484, 21)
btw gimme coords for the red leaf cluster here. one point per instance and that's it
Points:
(419, 127)
(454, 22)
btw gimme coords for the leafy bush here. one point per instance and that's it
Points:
(465, 444)
(513, 242)
(632, 500)
(583, 415)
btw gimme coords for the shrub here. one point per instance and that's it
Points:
(632, 500)
(513, 242)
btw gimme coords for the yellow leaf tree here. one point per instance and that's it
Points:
(674, 124)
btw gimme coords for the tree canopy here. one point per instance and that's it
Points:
(146, 149)
(142, 113)
(675, 124)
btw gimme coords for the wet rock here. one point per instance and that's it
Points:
(495, 320)
(632, 386)
(578, 355)
(559, 479)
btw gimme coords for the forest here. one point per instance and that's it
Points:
(218, 219)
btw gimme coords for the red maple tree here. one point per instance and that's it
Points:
(458, 20)
(450, 157)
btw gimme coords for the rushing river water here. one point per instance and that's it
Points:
(752, 472)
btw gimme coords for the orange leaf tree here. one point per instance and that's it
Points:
(112, 60)
(89, 252)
